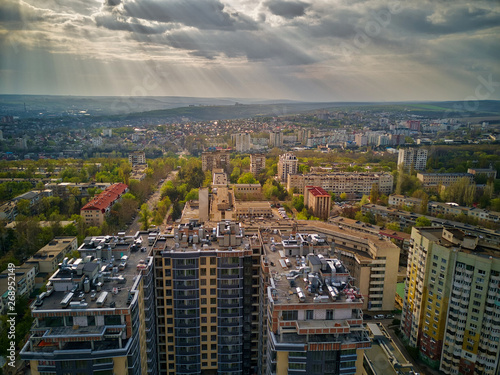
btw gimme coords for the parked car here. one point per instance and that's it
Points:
(389, 316)
(379, 316)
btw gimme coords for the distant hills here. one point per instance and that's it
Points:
(174, 107)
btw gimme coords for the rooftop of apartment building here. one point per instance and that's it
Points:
(379, 241)
(456, 238)
(53, 248)
(309, 275)
(356, 225)
(195, 237)
(84, 281)
(384, 358)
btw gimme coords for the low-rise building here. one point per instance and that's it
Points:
(252, 209)
(487, 172)
(434, 180)
(219, 177)
(137, 158)
(408, 219)
(94, 212)
(49, 256)
(247, 189)
(318, 201)
(8, 211)
(348, 182)
(24, 275)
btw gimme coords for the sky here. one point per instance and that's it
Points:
(308, 50)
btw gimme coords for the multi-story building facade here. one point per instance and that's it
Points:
(137, 158)
(96, 317)
(215, 159)
(25, 283)
(451, 307)
(408, 219)
(288, 164)
(49, 256)
(413, 157)
(338, 183)
(242, 142)
(434, 180)
(318, 200)
(372, 260)
(207, 300)
(311, 316)
(257, 163)
(440, 208)
(275, 139)
(94, 212)
(487, 172)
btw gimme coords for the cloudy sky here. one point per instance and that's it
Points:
(315, 50)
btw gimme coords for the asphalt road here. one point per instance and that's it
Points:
(152, 202)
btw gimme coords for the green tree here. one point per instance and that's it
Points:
(144, 216)
(422, 221)
(393, 226)
(298, 202)
(364, 200)
(192, 195)
(24, 207)
(374, 194)
(247, 178)
(235, 174)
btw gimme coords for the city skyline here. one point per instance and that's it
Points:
(300, 50)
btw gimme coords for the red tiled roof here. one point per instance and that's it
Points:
(106, 198)
(317, 191)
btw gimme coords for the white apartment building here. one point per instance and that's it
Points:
(287, 164)
(416, 157)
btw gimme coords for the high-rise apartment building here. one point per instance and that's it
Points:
(257, 163)
(287, 164)
(242, 142)
(275, 139)
(207, 285)
(311, 316)
(416, 157)
(451, 309)
(97, 316)
(215, 159)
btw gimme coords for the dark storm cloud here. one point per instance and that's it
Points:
(287, 9)
(458, 19)
(253, 46)
(201, 14)
(112, 3)
(15, 11)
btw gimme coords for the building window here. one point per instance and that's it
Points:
(289, 315)
(309, 314)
